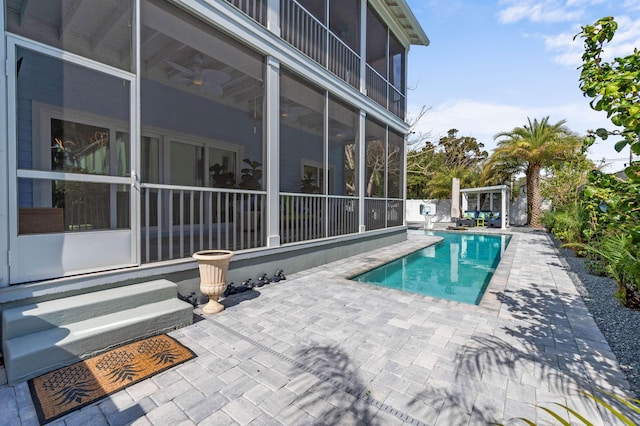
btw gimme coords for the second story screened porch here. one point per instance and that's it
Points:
(329, 32)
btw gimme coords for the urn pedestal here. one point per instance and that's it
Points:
(213, 266)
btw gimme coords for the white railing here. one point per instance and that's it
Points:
(384, 93)
(307, 34)
(375, 213)
(397, 104)
(383, 213)
(343, 215)
(376, 86)
(301, 217)
(256, 9)
(303, 31)
(395, 212)
(306, 217)
(177, 221)
(343, 62)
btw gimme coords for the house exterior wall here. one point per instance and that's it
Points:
(150, 105)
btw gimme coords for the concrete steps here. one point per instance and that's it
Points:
(41, 337)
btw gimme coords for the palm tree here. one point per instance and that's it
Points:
(528, 149)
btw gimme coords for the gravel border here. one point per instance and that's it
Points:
(619, 324)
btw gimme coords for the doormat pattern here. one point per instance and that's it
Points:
(59, 392)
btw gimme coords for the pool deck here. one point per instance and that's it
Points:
(320, 349)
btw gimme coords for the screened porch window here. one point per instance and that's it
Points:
(223, 167)
(73, 147)
(343, 158)
(376, 158)
(85, 148)
(189, 163)
(301, 134)
(313, 178)
(203, 92)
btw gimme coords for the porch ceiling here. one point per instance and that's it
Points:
(87, 24)
(178, 53)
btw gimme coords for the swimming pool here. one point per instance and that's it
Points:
(458, 268)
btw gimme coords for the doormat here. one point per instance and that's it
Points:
(59, 392)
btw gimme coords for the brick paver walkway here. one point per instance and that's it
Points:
(320, 349)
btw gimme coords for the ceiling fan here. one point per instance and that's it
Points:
(291, 112)
(209, 80)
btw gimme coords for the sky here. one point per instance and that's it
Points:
(492, 64)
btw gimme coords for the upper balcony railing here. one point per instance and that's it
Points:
(257, 9)
(310, 36)
(383, 92)
(302, 30)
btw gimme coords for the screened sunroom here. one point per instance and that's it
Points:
(141, 131)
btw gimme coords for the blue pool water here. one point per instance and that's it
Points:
(458, 268)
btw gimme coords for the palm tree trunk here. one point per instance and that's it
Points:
(529, 181)
(535, 221)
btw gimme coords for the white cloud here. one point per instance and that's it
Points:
(540, 11)
(632, 4)
(483, 120)
(586, 3)
(567, 51)
(627, 37)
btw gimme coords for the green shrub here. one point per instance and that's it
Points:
(566, 225)
(625, 411)
(596, 266)
(619, 254)
(549, 220)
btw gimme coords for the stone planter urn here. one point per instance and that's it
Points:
(213, 265)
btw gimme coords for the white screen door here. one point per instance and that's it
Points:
(72, 193)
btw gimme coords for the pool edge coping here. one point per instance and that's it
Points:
(500, 278)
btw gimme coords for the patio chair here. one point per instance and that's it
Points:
(468, 218)
(495, 220)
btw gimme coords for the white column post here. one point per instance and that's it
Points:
(503, 207)
(404, 180)
(363, 46)
(455, 198)
(5, 227)
(326, 191)
(362, 168)
(135, 142)
(273, 16)
(272, 132)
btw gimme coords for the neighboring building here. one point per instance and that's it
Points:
(127, 124)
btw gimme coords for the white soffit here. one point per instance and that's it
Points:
(405, 20)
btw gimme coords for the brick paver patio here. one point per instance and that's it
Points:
(320, 349)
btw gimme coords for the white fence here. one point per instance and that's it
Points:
(442, 211)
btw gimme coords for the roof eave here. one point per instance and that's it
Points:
(408, 22)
